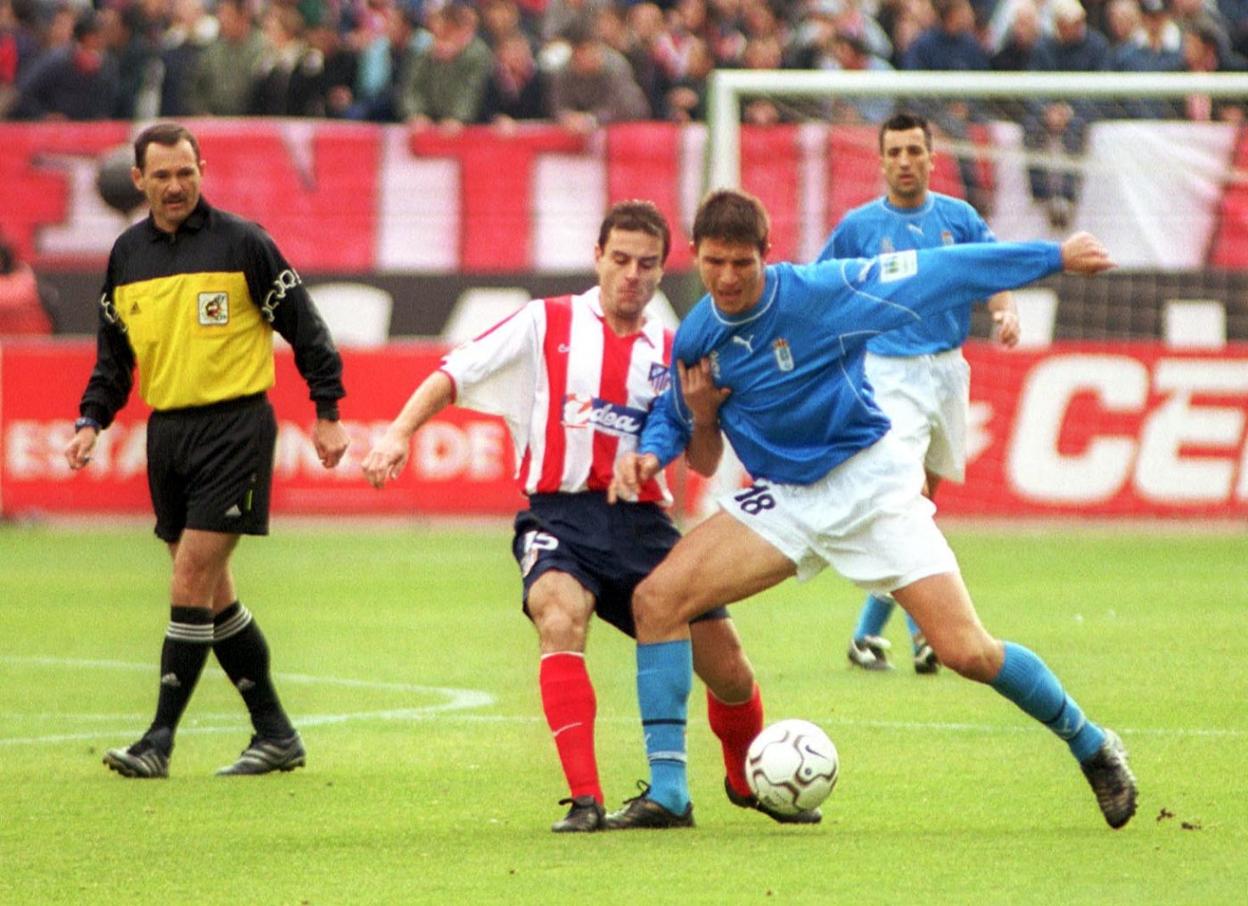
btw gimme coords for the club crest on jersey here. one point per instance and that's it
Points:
(886, 245)
(214, 309)
(784, 355)
(660, 377)
(600, 415)
(946, 237)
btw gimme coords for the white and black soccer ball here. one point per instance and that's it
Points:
(792, 766)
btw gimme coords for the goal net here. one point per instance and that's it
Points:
(1128, 394)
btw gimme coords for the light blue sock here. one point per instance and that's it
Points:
(915, 632)
(874, 616)
(664, 678)
(1026, 680)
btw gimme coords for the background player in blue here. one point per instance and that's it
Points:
(782, 347)
(917, 372)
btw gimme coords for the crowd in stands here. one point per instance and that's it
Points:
(582, 63)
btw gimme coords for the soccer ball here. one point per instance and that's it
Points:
(792, 766)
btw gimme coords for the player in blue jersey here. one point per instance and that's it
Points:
(775, 354)
(917, 371)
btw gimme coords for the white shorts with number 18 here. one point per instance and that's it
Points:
(867, 519)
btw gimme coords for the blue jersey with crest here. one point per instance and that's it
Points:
(800, 405)
(878, 228)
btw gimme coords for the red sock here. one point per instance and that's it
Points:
(570, 706)
(736, 726)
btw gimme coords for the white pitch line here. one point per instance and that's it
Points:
(456, 700)
(460, 700)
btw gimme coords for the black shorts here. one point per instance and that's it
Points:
(607, 548)
(211, 467)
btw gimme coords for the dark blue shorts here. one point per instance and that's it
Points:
(607, 548)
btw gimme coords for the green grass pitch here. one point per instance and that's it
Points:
(403, 657)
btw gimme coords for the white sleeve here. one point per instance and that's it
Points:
(496, 373)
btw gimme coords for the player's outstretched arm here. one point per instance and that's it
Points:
(385, 461)
(1083, 253)
(632, 470)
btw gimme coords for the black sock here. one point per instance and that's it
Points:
(181, 661)
(244, 656)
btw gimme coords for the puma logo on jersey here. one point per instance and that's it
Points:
(747, 342)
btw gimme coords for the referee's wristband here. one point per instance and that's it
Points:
(87, 421)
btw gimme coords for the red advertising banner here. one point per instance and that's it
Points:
(1077, 429)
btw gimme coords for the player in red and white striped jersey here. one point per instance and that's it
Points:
(574, 378)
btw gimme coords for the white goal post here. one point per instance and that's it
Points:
(728, 86)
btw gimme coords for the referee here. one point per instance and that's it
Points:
(192, 297)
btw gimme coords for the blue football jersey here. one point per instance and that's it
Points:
(878, 228)
(800, 404)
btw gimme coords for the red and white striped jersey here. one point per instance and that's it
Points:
(573, 394)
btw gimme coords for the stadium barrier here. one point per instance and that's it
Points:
(1072, 429)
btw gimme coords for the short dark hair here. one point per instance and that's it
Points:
(731, 215)
(167, 134)
(904, 122)
(636, 216)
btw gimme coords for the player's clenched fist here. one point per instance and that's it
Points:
(1083, 253)
(632, 470)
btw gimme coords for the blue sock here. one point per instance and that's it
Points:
(1026, 680)
(664, 678)
(915, 632)
(875, 614)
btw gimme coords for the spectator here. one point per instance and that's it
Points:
(852, 19)
(1207, 22)
(514, 90)
(562, 15)
(500, 19)
(192, 30)
(76, 82)
(1059, 128)
(595, 86)
(686, 99)
(909, 19)
(1122, 21)
(131, 40)
(444, 81)
(21, 311)
(763, 52)
(1022, 37)
(1203, 50)
(384, 40)
(853, 54)
(1150, 51)
(290, 77)
(223, 75)
(951, 44)
(18, 48)
(812, 43)
(634, 34)
(341, 66)
(1235, 13)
